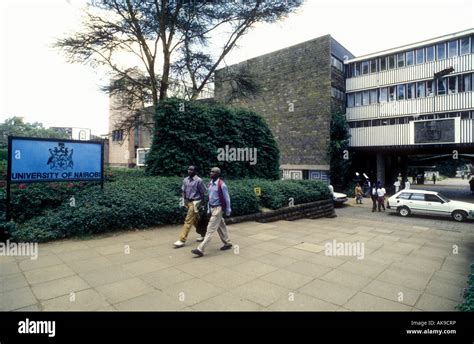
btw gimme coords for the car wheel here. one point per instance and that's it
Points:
(459, 215)
(404, 211)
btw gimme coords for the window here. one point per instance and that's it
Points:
(336, 93)
(373, 66)
(441, 86)
(417, 197)
(465, 83)
(464, 46)
(452, 84)
(356, 69)
(358, 99)
(404, 195)
(410, 58)
(365, 67)
(337, 63)
(373, 96)
(430, 54)
(383, 95)
(411, 91)
(117, 135)
(401, 92)
(453, 48)
(432, 198)
(429, 88)
(441, 51)
(420, 89)
(365, 98)
(350, 100)
(391, 61)
(400, 60)
(420, 56)
(383, 63)
(391, 93)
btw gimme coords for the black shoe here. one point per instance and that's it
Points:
(226, 247)
(197, 252)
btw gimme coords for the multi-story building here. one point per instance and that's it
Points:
(413, 99)
(300, 87)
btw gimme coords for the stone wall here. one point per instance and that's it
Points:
(311, 210)
(294, 98)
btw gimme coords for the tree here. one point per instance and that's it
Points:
(338, 151)
(170, 38)
(15, 126)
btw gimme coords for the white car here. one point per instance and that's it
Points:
(408, 202)
(339, 198)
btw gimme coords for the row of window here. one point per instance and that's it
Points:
(430, 53)
(408, 119)
(337, 93)
(446, 85)
(338, 64)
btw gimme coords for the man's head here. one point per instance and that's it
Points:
(191, 171)
(215, 173)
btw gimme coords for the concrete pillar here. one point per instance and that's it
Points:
(380, 167)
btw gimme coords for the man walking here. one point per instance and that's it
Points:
(193, 194)
(219, 204)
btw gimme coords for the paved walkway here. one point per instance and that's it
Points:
(408, 265)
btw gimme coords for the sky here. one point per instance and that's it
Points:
(37, 83)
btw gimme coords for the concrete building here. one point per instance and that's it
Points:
(300, 88)
(402, 102)
(414, 99)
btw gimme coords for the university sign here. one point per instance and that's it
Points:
(33, 160)
(46, 160)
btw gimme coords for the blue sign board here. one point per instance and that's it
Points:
(48, 160)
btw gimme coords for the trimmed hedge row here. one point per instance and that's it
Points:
(148, 201)
(468, 303)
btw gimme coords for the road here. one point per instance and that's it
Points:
(453, 188)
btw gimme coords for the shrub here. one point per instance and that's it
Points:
(193, 137)
(468, 304)
(143, 202)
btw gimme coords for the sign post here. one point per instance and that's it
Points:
(36, 160)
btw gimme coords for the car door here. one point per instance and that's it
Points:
(417, 203)
(436, 206)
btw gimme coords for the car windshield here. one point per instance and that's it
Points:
(444, 198)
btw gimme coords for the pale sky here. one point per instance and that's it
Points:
(37, 83)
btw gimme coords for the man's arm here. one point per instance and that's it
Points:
(183, 188)
(225, 191)
(201, 188)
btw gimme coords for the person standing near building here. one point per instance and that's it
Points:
(219, 204)
(407, 184)
(434, 178)
(373, 196)
(193, 191)
(381, 196)
(397, 185)
(471, 184)
(358, 194)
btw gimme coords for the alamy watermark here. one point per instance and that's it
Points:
(22, 249)
(335, 248)
(237, 154)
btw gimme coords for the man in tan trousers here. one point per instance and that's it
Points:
(219, 204)
(193, 194)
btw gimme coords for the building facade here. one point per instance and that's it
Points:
(299, 88)
(412, 99)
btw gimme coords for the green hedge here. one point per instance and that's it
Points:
(468, 304)
(190, 133)
(143, 202)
